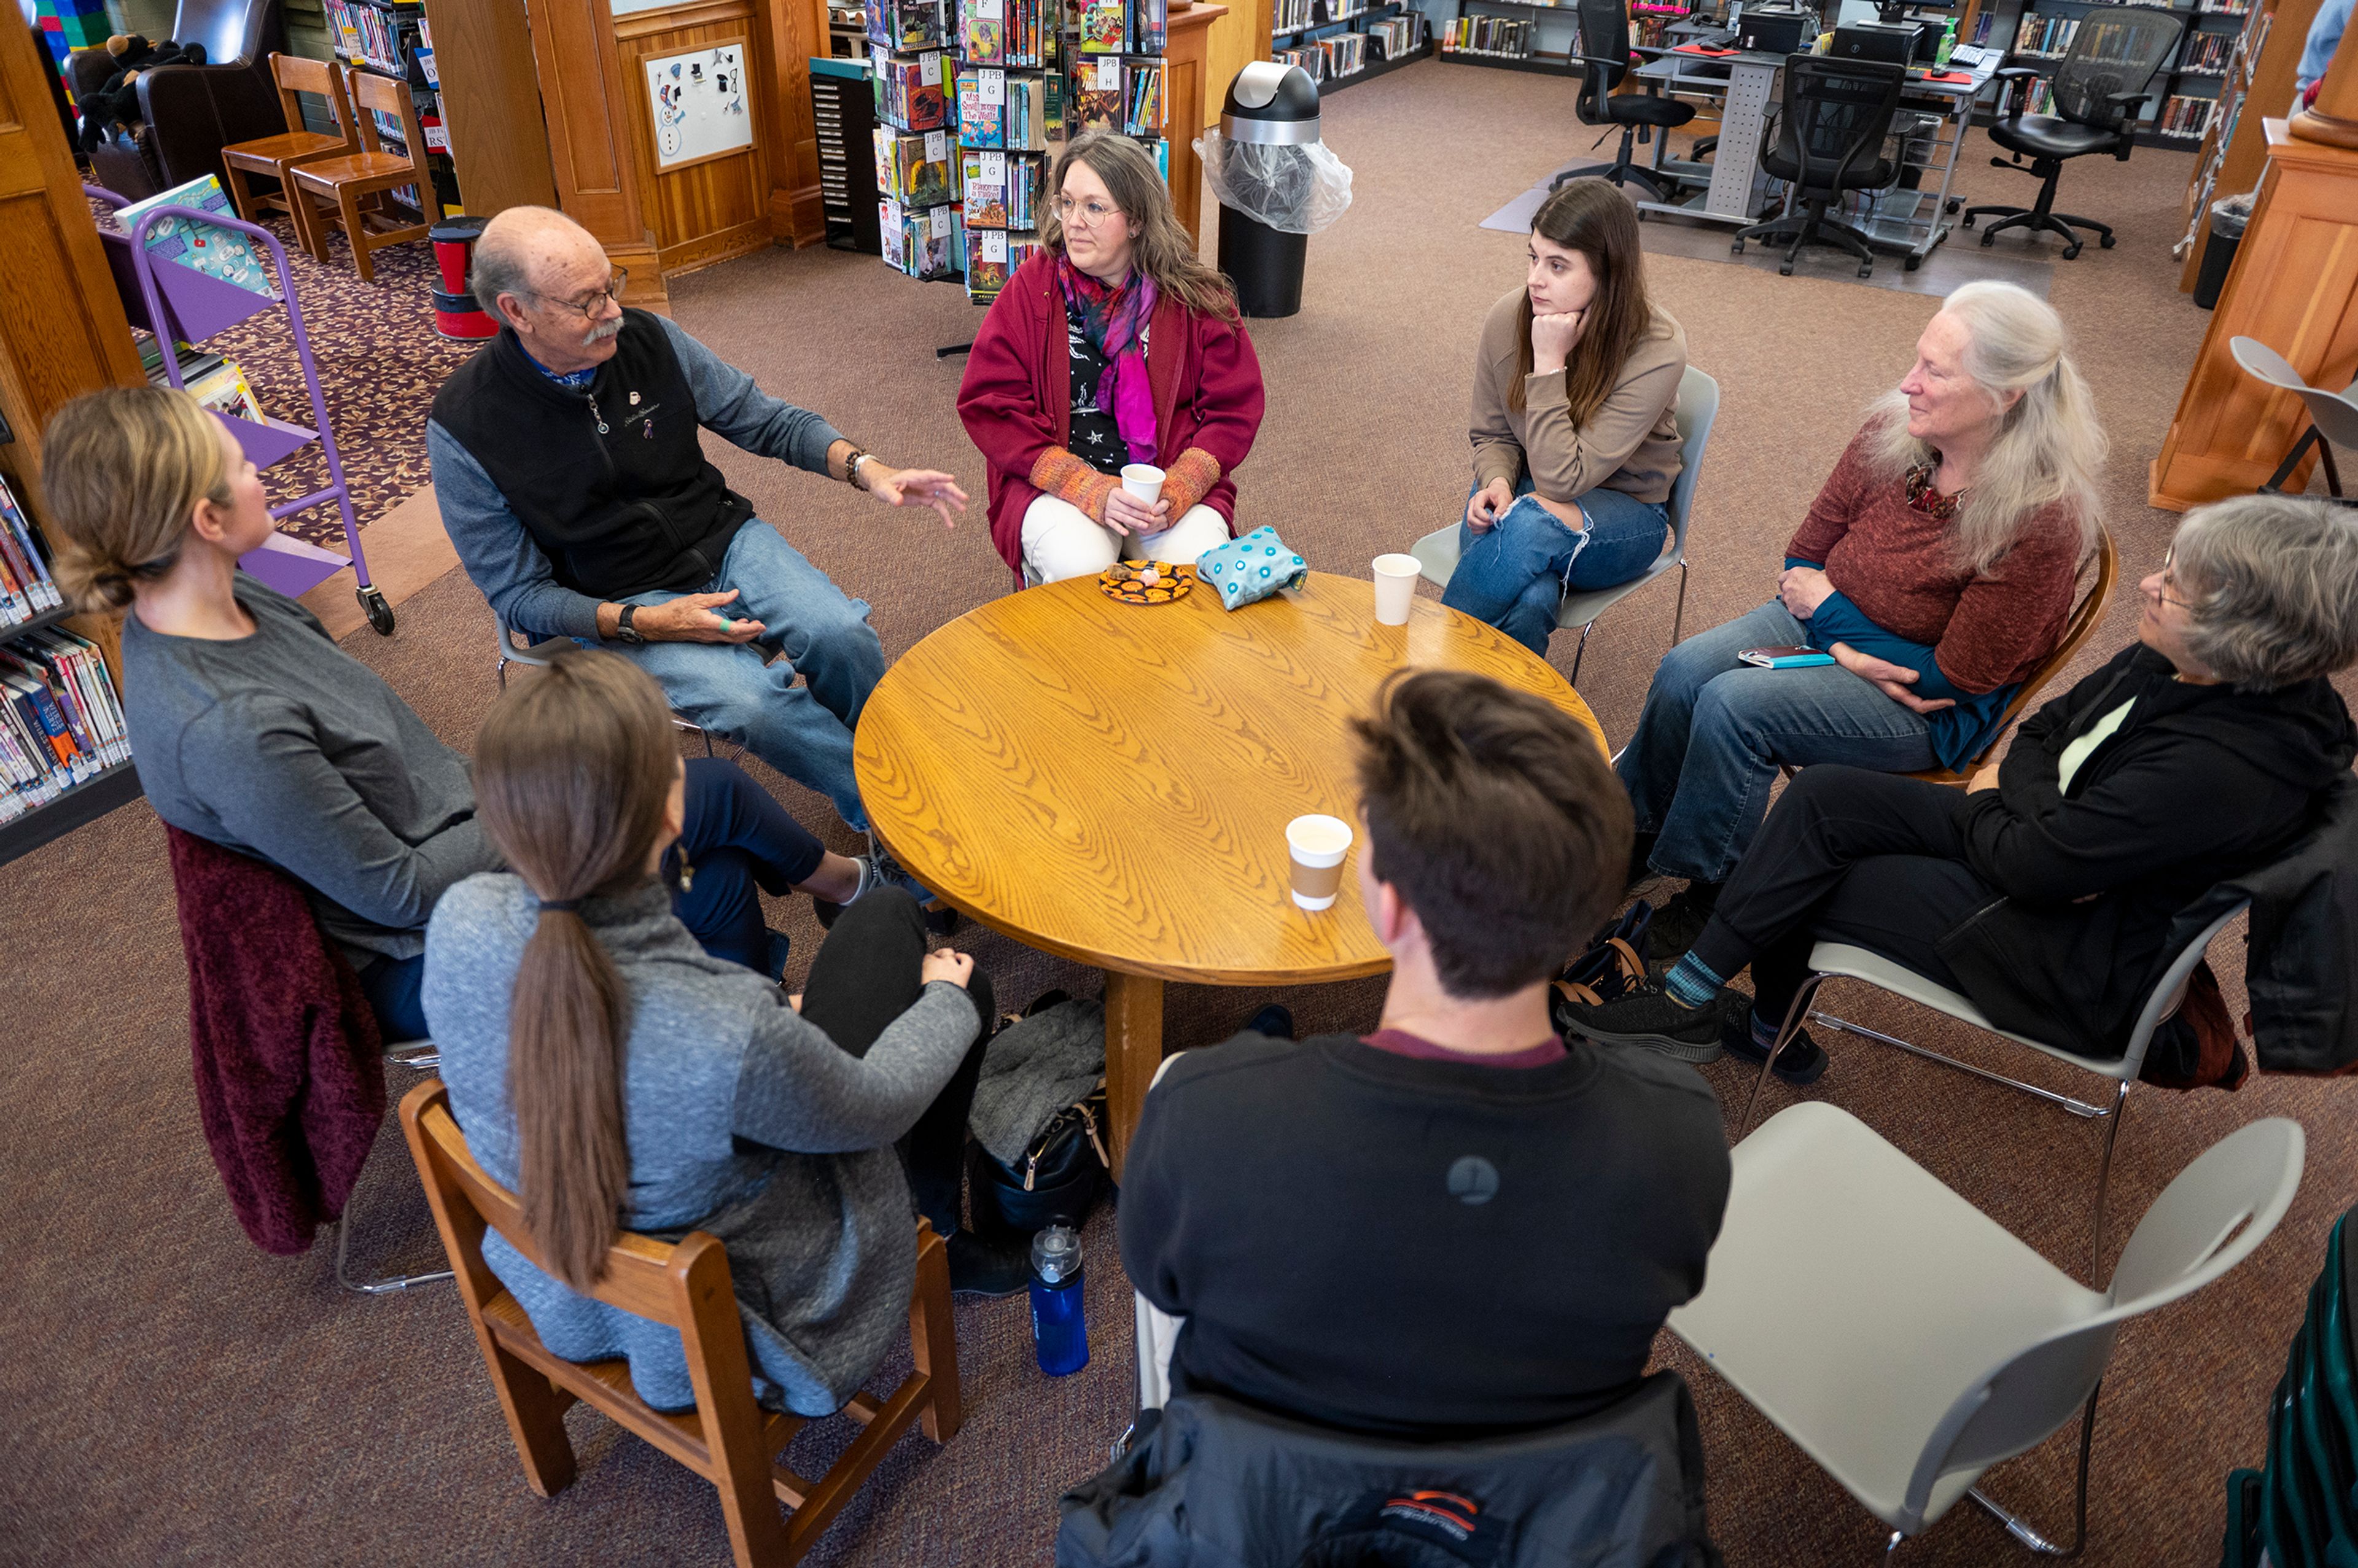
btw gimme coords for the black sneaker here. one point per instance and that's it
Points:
(1647, 1016)
(988, 1266)
(1799, 1063)
(1678, 924)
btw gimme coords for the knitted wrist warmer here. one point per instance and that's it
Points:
(1190, 479)
(1061, 474)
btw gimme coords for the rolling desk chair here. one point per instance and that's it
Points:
(2099, 90)
(1605, 59)
(1829, 136)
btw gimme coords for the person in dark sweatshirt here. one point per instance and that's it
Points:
(2197, 754)
(1458, 1225)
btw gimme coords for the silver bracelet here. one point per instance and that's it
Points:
(851, 469)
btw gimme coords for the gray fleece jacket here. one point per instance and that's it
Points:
(742, 1120)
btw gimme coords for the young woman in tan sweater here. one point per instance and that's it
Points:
(1574, 446)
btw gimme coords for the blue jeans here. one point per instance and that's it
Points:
(741, 843)
(1714, 731)
(803, 731)
(1514, 575)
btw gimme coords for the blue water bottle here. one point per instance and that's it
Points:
(1060, 1334)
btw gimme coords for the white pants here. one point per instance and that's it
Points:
(1060, 540)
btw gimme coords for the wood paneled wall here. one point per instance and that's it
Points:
(577, 58)
(717, 207)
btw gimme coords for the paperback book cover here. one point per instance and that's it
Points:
(986, 189)
(981, 107)
(1105, 26)
(982, 32)
(1096, 95)
(204, 247)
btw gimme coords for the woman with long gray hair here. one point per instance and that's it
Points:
(1934, 572)
(2199, 753)
(1113, 345)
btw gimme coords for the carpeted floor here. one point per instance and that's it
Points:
(174, 1396)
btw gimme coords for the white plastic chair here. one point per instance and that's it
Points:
(1698, 406)
(1907, 1341)
(1838, 961)
(2333, 415)
(536, 655)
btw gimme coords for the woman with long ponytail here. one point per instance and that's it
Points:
(614, 1075)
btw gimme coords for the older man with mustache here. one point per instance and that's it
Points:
(569, 475)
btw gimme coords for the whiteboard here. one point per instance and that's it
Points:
(700, 104)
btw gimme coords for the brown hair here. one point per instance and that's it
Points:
(1596, 219)
(573, 770)
(1496, 816)
(122, 469)
(1160, 246)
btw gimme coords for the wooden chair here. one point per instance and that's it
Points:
(272, 156)
(2076, 632)
(372, 171)
(727, 1439)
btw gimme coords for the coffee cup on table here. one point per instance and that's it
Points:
(1143, 480)
(1317, 846)
(1396, 578)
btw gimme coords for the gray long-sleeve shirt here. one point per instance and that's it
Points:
(742, 1118)
(512, 570)
(284, 747)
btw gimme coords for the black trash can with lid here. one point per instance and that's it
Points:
(2227, 225)
(1269, 105)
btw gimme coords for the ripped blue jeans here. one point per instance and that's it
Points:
(1514, 574)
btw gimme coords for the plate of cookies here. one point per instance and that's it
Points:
(1146, 582)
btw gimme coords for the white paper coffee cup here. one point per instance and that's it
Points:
(1396, 578)
(1317, 846)
(1143, 480)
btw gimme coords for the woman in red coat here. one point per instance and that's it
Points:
(1113, 345)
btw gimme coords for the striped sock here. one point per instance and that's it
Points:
(1691, 982)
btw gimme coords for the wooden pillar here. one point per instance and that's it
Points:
(2295, 289)
(2333, 118)
(491, 102)
(581, 93)
(1187, 62)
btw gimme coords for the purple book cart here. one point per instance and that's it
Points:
(179, 304)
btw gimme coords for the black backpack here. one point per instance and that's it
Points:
(1058, 1181)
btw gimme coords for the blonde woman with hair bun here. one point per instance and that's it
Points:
(1932, 574)
(252, 729)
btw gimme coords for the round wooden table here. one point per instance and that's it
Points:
(1111, 782)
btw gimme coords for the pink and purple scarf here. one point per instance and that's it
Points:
(1114, 321)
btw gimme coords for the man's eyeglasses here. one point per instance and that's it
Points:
(1088, 214)
(592, 304)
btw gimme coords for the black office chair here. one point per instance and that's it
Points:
(2100, 88)
(1605, 59)
(1829, 136)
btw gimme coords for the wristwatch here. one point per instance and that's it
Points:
(625, 631)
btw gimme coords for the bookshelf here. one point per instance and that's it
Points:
(395, 39)
(1514, 34)
(2038, 34)
(1343, 42)
(1011, 93)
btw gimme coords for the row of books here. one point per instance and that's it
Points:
(1508, 38)
(60, 721)
(1328, 59)
(1000, 190)
(997, 109)
(1292, 16)
(2225, 7)
(898, 27)
(370, 35)
(2208, 52)
(1397, 37)
(916, 168)
(2185, 115)
(1019, 33)
(27, 589)
(921, 242)
(1114, 94)
(2045, 35)
(909, 93)
(1124, 26)
(992, 257)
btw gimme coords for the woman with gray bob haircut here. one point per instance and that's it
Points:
(2198, 754)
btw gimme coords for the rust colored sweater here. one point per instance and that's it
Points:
(1895, 565)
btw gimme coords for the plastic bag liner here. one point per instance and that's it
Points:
(1293, 190)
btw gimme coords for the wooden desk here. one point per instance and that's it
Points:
(1187, 71)
(1111, 784)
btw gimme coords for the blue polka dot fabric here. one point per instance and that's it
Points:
(1251, 568)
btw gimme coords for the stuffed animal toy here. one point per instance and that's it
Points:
(117, 102)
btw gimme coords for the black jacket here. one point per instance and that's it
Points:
(612, 482)
(2199, 786)
(1217, 1482)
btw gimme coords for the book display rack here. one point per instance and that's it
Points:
(913, 139)
(393, 37)
(1343, 42)
(1010, 99)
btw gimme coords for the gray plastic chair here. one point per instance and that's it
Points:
(1907, 1341)
(2333, 415)
(535, 655)
(419, 1056)
(1838, 961)
(1698, 407)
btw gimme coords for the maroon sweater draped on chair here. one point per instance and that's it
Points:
(1017, 397)
(290, 1082)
